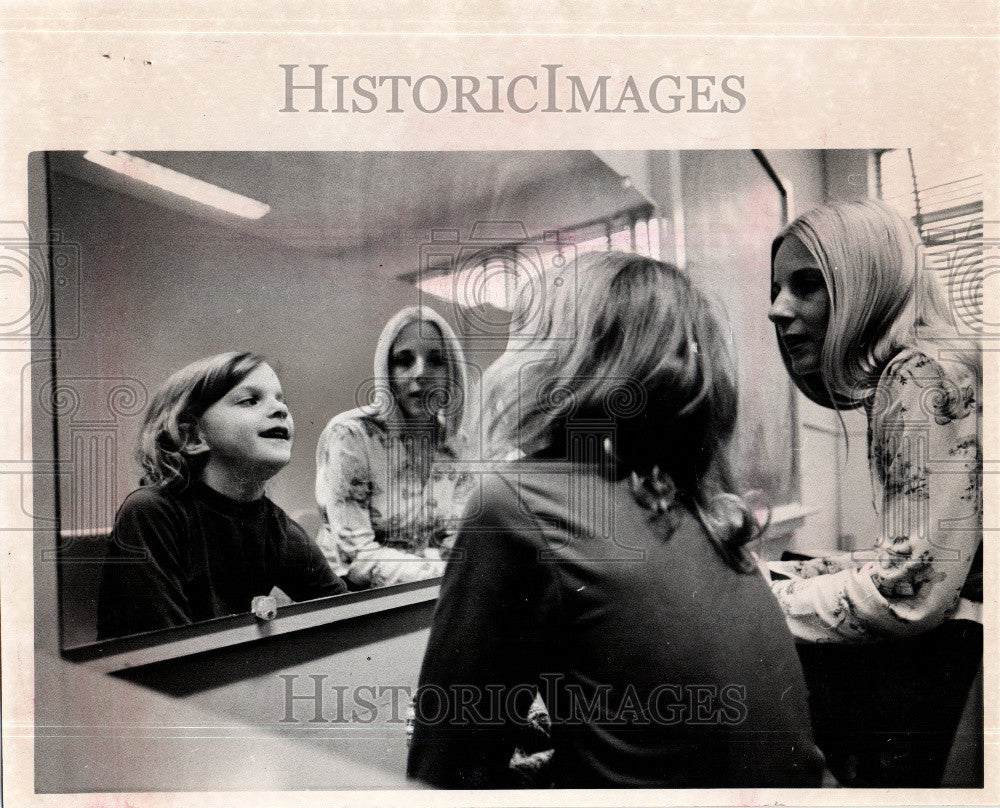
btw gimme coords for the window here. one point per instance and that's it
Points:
(495, 275)
(943, 195)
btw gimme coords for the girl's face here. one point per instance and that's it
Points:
(800, 305)
(249, 430)
(417, 368)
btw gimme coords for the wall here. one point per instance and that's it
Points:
(732, 210)
(218, 720)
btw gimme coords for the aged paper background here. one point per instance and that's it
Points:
(198, 76)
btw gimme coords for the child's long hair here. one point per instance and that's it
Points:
(881, 298)
(171, 420)
(631, 342)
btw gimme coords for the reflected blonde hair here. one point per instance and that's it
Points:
(628, 341)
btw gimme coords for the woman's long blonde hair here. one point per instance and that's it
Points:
(627, 341)
(882, 298)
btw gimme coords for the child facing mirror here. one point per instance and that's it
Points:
(199, 539)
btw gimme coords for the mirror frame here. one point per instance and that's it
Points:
(136, 650)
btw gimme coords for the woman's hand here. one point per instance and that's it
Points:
(435, 564)
(897, 574)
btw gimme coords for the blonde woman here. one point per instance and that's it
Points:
(387, 490)
(861, 323)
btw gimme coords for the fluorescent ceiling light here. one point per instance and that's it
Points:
(181, 184)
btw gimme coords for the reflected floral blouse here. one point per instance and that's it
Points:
(390, 501)
(926, 463)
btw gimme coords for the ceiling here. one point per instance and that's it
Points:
(329, 201)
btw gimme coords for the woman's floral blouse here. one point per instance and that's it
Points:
(390, 501)
(926, 464)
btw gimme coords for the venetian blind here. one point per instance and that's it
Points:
(943, 196)
(495, 275)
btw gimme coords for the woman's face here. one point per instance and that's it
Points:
(800, 305)
(418, 370)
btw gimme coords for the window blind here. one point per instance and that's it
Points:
(943, 196)
(495, 276)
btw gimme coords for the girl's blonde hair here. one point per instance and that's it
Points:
(629, 343)
(882, 299)
(171, 420)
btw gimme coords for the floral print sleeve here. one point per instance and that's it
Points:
(925, 456)
(349, 482)
(810, 568)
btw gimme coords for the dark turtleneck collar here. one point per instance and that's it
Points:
(227, 506)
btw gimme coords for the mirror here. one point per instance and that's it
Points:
(147, 281)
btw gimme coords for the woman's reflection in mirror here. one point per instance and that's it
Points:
(386, 484)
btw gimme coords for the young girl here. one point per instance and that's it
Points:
(199, 539)
(605, 568)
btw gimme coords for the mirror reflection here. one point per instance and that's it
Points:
(290, 367)
(388, 490)
(199, 539)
